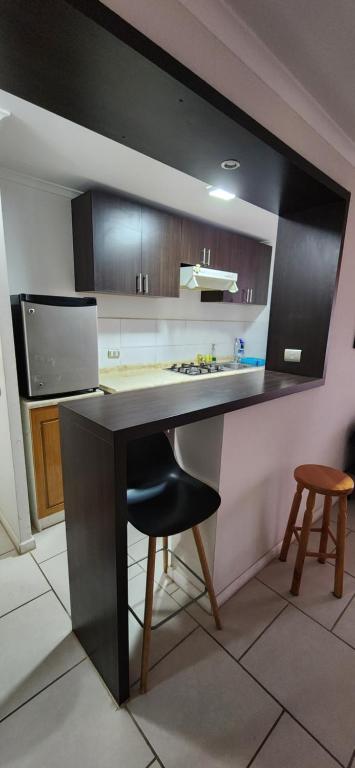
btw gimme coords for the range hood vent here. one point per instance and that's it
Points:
(202, 279)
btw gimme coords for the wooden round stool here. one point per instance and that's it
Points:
(327, 482)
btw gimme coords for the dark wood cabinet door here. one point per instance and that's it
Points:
(161, 252)
(251, 260)
(201, 244)
(117, 243)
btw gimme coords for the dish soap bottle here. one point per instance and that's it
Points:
(213, 353)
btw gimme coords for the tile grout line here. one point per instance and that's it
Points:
(54, 592)
(47, 558)
(262, 633)
(12, 610)
(351, 762)
(289, 602)
(13, 549)
(342, 614)
(156, 757)
(282, 706)
(167, 653)
(45, 687)
(266, 738)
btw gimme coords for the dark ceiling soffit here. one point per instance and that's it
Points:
(117, 26)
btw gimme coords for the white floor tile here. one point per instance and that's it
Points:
(345, 627)
(49, 542)
(133, 535)
(133, 568)
(6, 544)
(316, 593)
(289, 746)
(139, 550)
(20, 580)
(243, 617)
(163, 640)
(73, 723)
(56, 571)
(202, 709)
(311, 672)
(36, 646)
(163, 605)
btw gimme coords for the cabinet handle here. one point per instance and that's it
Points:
(209, 257)
(248, 295)
(251, 295)
(146, 284)
(203, 256)
(139, 284)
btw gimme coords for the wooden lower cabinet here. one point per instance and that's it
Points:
(47, 460)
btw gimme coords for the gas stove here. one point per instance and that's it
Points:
(193, 369)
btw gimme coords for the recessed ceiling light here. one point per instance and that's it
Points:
(230, 165)
(222, 194)
(4, 113)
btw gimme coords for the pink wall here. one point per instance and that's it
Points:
(263, 444)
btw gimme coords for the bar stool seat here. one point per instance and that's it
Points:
(327, 482)
(162, 500)
(323, 480)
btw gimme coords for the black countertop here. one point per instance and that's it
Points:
(140, 412)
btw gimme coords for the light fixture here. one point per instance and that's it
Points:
(4, 113)
(222, 194)
(230, 165)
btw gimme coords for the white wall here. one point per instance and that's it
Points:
(37, 221)
(14, 508)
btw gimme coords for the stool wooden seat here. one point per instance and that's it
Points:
(327, 482)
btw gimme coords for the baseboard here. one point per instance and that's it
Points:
(21, 546)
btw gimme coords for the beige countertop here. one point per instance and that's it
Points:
(128, 377)
(30, 404)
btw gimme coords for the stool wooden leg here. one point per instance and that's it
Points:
(327, 508)
(148, 613)
(206, 575)
(165, 553)
(301, 554)
(291, 522)
(340, 549)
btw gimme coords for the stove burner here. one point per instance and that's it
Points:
(191, 369)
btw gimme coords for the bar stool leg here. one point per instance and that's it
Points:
(165, 553)
(206, 575)
(301, 554)
(147, 631)
(325, 527)
(291, 522)
(340, 549)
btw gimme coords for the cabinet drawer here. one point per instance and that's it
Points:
(47, 460)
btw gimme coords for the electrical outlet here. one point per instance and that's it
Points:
(292, 355)
(113, 354)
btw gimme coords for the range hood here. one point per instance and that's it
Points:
(203, 279)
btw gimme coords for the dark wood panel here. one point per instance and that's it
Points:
(304, 285)
(117, 243)
(119, 84)
(199, 238)
(97, 558)
(160, 408)
(161, 252)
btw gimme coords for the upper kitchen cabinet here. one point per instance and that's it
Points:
(203, 244)
(161, 251)
(252, 261)
(122, 246)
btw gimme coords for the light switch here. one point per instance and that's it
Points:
(292, 355)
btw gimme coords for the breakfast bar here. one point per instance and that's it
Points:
(94, 437)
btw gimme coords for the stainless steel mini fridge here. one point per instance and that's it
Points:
(56, 344)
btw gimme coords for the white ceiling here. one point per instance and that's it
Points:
(315, 40)
(40, 144)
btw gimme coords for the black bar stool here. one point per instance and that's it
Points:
(164, 500)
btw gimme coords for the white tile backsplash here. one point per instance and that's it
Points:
(148, 341)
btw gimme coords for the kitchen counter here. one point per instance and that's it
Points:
(127, 378)
(94, 435)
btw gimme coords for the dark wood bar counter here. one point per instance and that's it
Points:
(94, 436)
